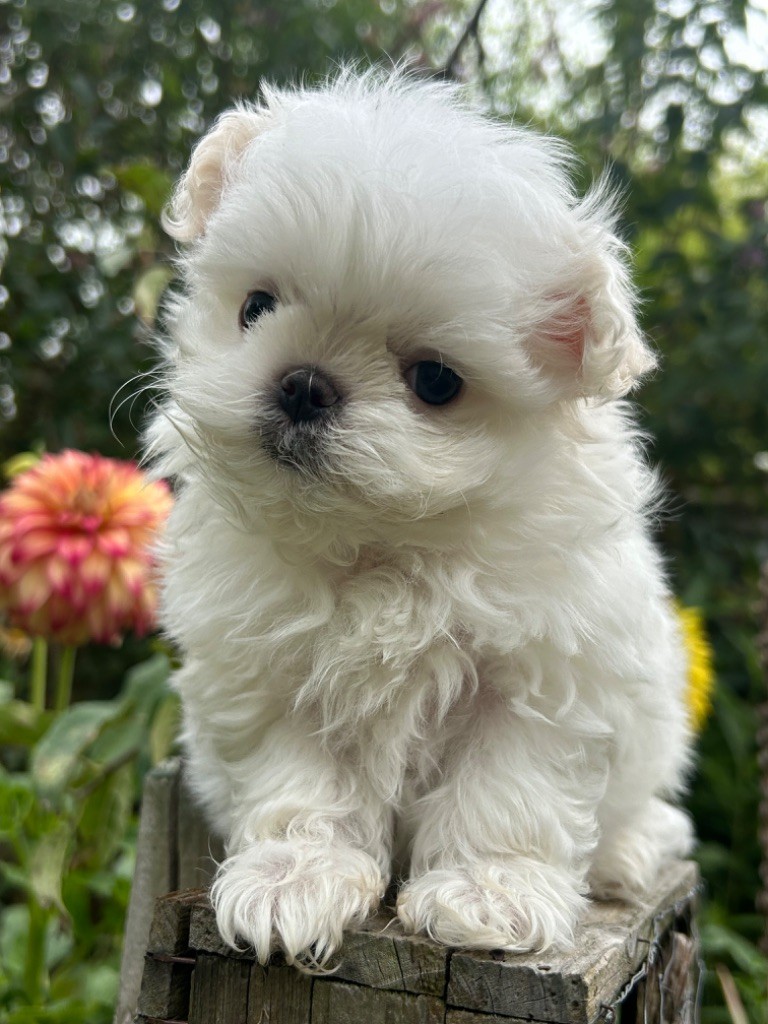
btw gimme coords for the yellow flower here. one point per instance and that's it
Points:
(76, 533)
(701, 675)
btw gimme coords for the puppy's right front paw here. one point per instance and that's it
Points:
(296, 896)
(520, 906)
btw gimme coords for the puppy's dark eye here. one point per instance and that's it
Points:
(256, 305)
(433, 382)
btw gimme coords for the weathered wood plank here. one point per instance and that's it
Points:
(165, 989)
(514, 989)
(155, 873)
(379, 955)
(340, 1003)
(141, 1018)
(570, 988)
(169, 932)
(219, 993)
(470, 1017)
(198, 850)
(668, 993)
(204, 935)
(279, 995)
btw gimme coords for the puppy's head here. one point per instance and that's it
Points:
(385, 294)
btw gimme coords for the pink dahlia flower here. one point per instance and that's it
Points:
(76, 536)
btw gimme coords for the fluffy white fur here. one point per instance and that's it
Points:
(437, 638)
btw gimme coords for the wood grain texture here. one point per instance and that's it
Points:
(667, 995)
(165, 990)
(279, 995)
(198, 850)
(470, 1017)
(339, 1003)
(155, 873)
(169, 932)
(380, 955)
(204, 935)
(219, 991)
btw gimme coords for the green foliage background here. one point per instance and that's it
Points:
(101, 101)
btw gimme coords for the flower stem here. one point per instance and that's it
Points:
(38, 671)
(35, 968)
(64, 681)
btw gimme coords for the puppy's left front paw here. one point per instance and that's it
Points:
(519, 906)
(297, 896)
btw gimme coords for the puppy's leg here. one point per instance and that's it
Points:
(308, 851)
(638, 830)
(631, 850)
(500, 856)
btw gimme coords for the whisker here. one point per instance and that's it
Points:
(153, 377)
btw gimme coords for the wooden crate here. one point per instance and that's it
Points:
(638, 963)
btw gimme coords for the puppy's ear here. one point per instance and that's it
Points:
(588, 342)
(211, 168)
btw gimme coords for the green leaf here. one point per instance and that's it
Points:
(146, 180)
(58, 757)
(147, 683)
(48, 863)
(736, 721)
(718, 940)
(17, 800)
(14, 924)
(165, 728)
(14, 876)
(117, 739)
(14, 928)
(21, 724)
(100, 985)
(105, 817)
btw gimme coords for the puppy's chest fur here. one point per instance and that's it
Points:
(398, 647)
(392, 672)
(383, 646)
(394, 641)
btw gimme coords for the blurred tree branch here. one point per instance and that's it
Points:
(471, 31)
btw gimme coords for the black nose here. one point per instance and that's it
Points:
(306, 394)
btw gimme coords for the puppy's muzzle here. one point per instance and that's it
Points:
(307, 394)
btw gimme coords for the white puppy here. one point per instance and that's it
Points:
(409, 567)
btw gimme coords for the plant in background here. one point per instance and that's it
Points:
(75, 536)
(76, 539)
(701, 671)
(75, 555)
